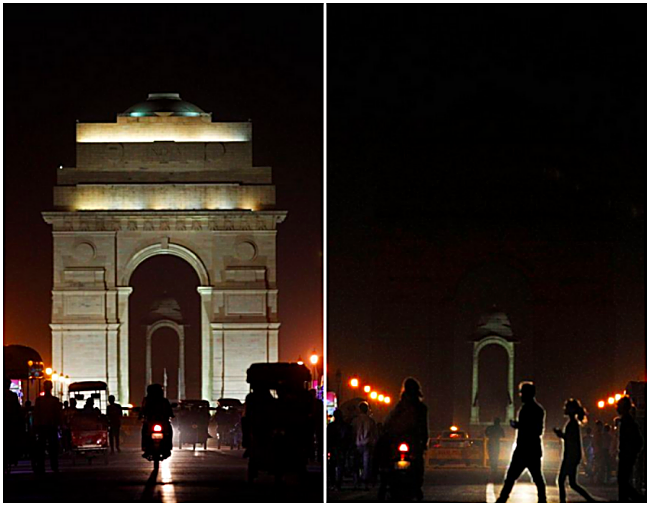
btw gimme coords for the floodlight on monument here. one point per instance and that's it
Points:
(367, 389)
(49, 371)
(354, 382)
(601, 404)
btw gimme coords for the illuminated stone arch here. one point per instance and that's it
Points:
(149, 184)
(180, 332)
(485, 338)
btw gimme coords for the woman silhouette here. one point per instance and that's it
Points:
(572, 449)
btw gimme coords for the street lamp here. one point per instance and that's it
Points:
(387, 400)
(380, 397)
(300, 361)
(611, 401)
(617, 397)
(367, 389)
(354, 382)
(373, 395)
(314, 358)
(48, 371)
(601, 404)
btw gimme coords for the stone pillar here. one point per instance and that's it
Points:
(474, 416)
(123, 293)
(207, 350)
(511, 380)
(181, 362)
(218, 362)
(112, 359)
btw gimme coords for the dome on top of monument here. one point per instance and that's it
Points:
(494, 323)
(164, 104)
(165, 308)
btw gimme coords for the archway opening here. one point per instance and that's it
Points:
(165, 361)
(158, 278)
(493, 396)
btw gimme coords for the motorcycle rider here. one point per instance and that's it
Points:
(409, 422)
(156, 408)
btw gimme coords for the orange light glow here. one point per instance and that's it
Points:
(453, 428)
(354, 382)
(380, 397)
(313, 359)
(48, 371)
(367, 389)
(611, 401)
(601, 404)
(373, 395)
(387, 400)
(618, 397)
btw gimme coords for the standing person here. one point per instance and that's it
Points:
(572, 449)
(114, 413)
(339, 442)
(47, 420)
(409, 420)
(494, 434)
(69, 412)
(588, 450)
(599, 463)
(528, 452)
(605, 453)
(365, 433)
(630, 444)
(12, 425)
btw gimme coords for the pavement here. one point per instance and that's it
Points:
(473, 485)
(199, 475)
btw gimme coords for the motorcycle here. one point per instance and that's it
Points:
(157, 446)
(399, 473)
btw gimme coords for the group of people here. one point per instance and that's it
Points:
(364, 445)
(48, 425)
(409, 419)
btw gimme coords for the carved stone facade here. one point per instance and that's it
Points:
(113, 212)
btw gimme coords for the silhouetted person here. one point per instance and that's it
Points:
(114, 413)
(629, 446)
(339, 442)
(572, 449)
(495, 434)
(528, 452)
(47, 419)
(409, 421)
(365, 438)
(69, 413)
(12, 425)
(156, 408)
(607, 443)
(588, 450)
(89, 407)
(257, 426)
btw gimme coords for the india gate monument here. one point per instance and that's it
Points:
(164, 179)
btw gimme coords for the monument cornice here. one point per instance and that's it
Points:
(179, 221)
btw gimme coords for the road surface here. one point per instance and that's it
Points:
(188, 476)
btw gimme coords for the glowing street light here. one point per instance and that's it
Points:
(49, 371)
(55, 376)
(380, 397)
(611, 401)
(314, 358)
(300, 361)
(354, 382)
(601, 404)
(373, 395)
(453, 428)
(387, 400)
(618, 397)
(367, 389)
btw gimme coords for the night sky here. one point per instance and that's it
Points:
(488, 156)
(262, 63)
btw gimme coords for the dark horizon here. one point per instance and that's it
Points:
(487, 155)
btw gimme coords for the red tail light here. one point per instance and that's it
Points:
(157, 428)
(403, 447)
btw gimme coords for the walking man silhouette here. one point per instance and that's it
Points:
(528, 452)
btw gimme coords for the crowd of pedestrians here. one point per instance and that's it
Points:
(355, 446)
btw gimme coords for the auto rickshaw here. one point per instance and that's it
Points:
(227, 420)
(192, 418)
(89, 428)
(276, 430)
